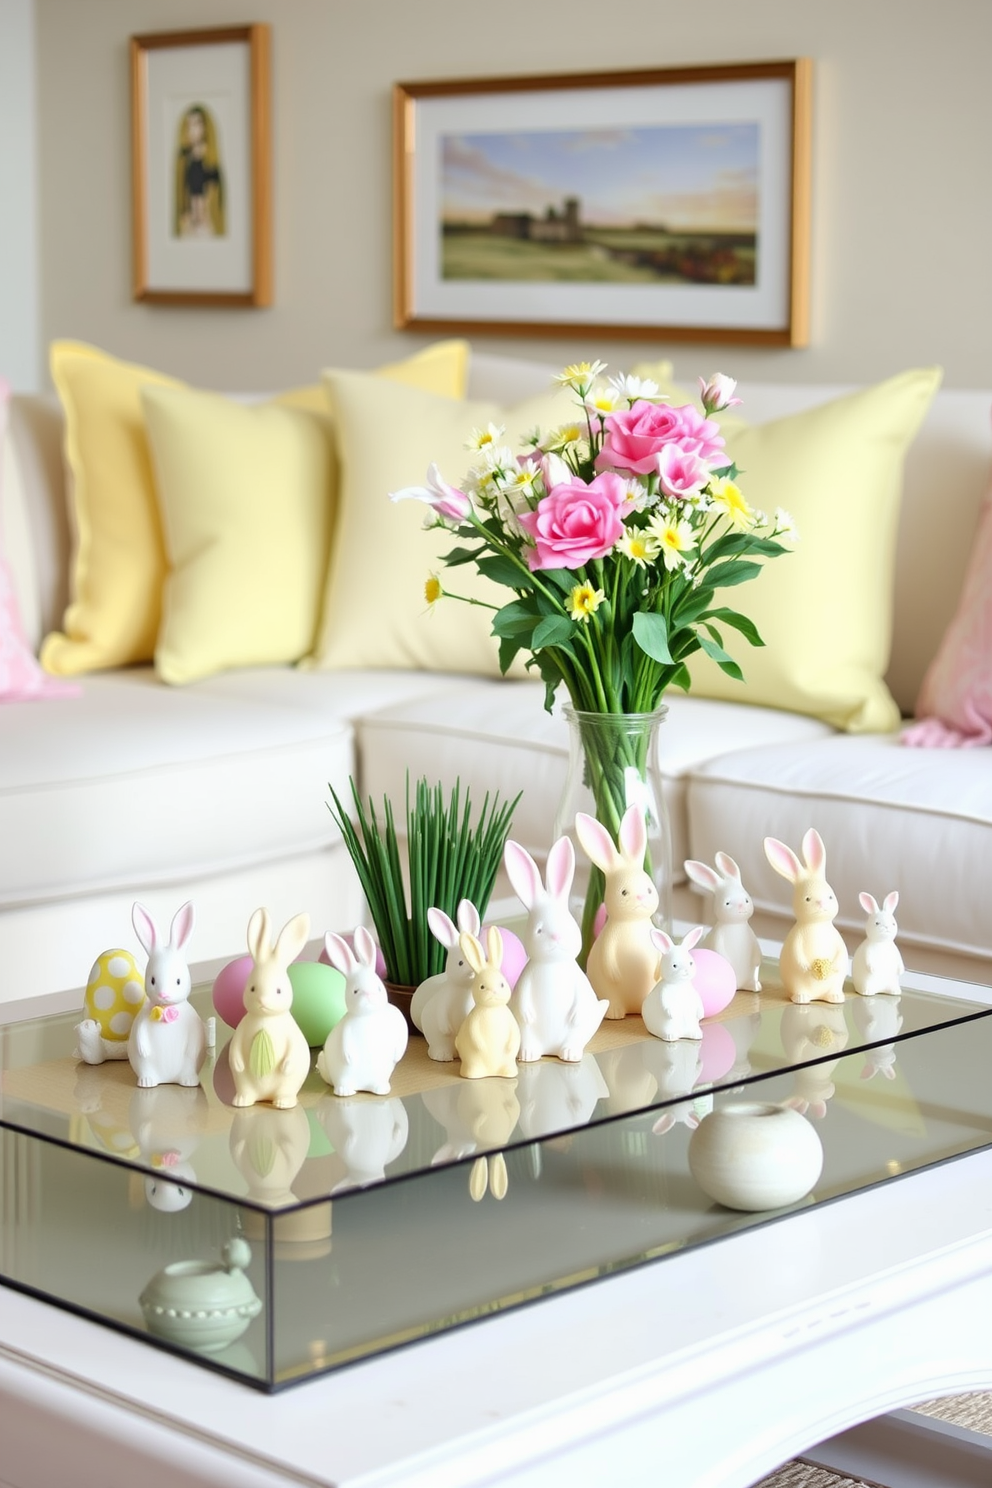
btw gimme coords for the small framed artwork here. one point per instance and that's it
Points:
(669, 204)
(201, 167)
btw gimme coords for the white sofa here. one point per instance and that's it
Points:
(217, 791)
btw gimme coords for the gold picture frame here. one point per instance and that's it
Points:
(490, 187)
(202, 167)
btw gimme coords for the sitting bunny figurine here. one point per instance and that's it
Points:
(553, 1002)
(441, 1004)
(488, 1040)
(361, 1052)
(168, 1041)
(673, 1007)
(877, 962)
(813, 962)
(623, 962)
(270, 1057)
(731, 935)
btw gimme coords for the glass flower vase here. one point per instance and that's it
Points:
(613, 764)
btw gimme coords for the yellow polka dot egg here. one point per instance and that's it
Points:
(114, 993)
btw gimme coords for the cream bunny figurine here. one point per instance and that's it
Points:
(553, 1002)
(168, 1041)
(441, 1004)
(488, 1040)
(623, 962)
(673, 1008)
(270, 1057)
(363, 1049)
(731, 936)
(813, 962)
(877, 963)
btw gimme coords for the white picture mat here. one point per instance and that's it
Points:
(219, 77)
(765, 305)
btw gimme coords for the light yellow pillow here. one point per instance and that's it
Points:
(243, 495)
(375, 613)
(825, 610)
(120, 563)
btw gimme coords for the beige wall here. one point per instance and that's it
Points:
(902, 221)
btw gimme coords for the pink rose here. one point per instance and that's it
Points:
(575, 523)
(701, 436)
(636, 435)
(680, 472)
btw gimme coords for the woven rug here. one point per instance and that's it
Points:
(972, 1411)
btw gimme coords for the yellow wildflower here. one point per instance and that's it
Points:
(640, 547)
(432, 589)
(580, 375)
(730, 499)
(584, 601)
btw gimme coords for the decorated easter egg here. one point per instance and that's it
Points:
(229, 990)
(114, 993)
(715, 981)
(318, 999)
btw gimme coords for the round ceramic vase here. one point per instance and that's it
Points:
(202, 1305)
(753, 1155)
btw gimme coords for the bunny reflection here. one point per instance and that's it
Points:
(480, 1114)
(367, 1135)
(810, 1033)
(167, 1123)
(878, 1019)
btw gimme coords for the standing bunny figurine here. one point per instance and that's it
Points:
(361, 1052)
(270, 1057)
(553, 1002)
(623, 962)
(731, 936)
(488, 1040)
(813, 962)
(877, 962)
(441, 1004)
(168, 1041)
(673, 1007)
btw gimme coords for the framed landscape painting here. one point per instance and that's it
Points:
(201, 167)
(670, 203)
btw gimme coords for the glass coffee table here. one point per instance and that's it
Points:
(374, 1222)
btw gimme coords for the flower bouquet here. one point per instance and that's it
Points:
(615, 533)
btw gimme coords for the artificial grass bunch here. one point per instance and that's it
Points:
(447, 860)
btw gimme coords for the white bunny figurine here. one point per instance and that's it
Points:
(623, 962)
(813, 962)
(553, 1001)
(877, 962)
(270, 1057)
(488, 1040)
(731, 936)
(673, 1008)
(168, 1041)
(441, 1004)
(363, 1049)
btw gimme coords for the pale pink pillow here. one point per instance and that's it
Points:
(954, 708)
(21, 677)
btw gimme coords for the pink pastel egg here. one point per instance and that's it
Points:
(715, 981)
(718, 1052)
(229, 990)
(380, 960)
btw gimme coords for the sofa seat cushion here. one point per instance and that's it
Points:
(138, 783)
(891, 818)
(496, 736)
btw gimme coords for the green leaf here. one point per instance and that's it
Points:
(455, 556)
(724, 662)
(651, 634)
(553, 630)
(514, 618)
(738, 571)
(508, 650)
(746, 627)
(564, 579)
(502, 571)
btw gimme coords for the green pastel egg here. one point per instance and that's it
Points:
(318, 999)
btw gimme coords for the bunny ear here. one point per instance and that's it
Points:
(891, 900)
(782, 859)
(867, 903)
(522, 872)
(259, 938)
(561, 868)
(597, 844)
(144, 927)
(633, 836)
(727, 866)
(702, 874)
(442, 927)
(660, 940)
(494, 945)
(340, 954)
(472, 950)
(292, 938)
(365, 948)
(468, 917)
(814, 851)
(694, 936)
(182, 926)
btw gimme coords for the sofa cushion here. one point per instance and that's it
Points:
(497, 736)
(891, 818)
(138, 783)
